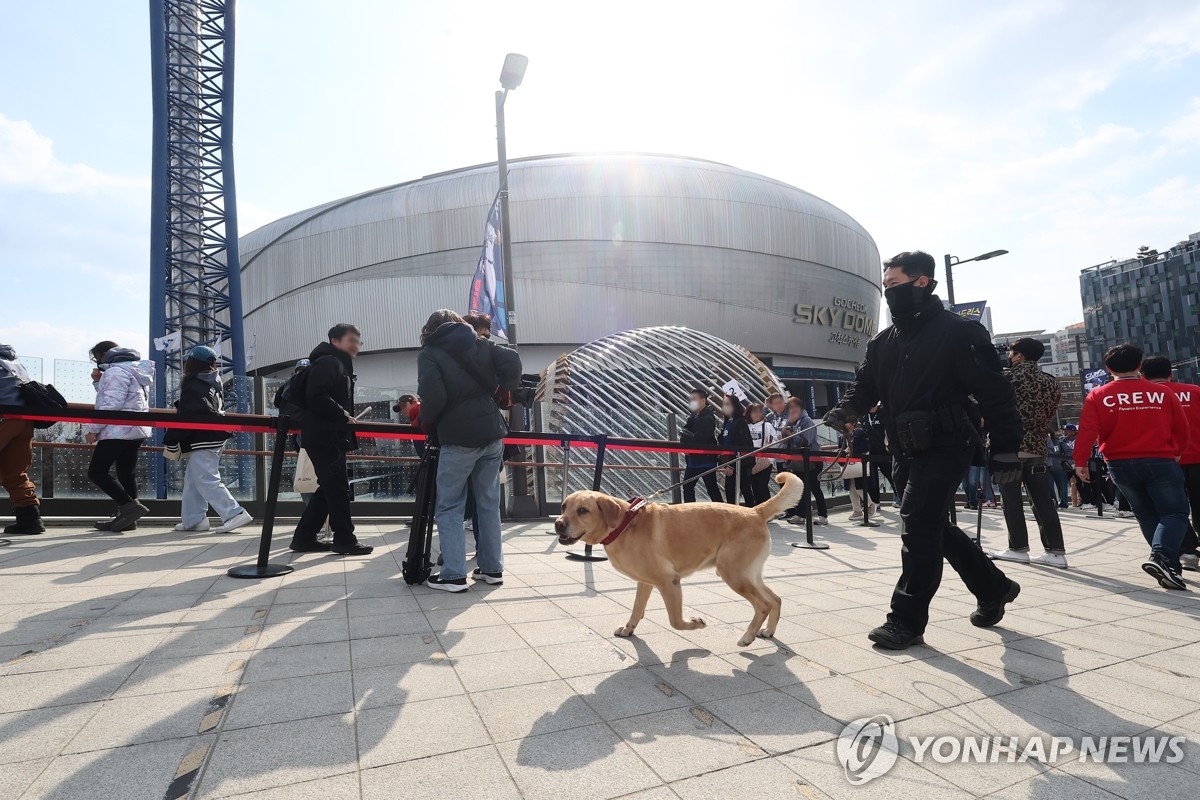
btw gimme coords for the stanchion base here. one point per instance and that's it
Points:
(5, 542)
(869, 524)
(252, 571)
(807, 546)
(585, 557)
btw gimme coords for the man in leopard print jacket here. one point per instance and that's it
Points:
(1038, 396)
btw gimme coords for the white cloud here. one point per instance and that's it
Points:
(1186, 129)
(27, 161)
(50, 340)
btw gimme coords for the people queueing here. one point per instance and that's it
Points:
(458, 378)
(1158, 369)
(1142, 431)
(762, 434)
(1038, 396)
(16, 449)
(700, 428)
(735, 435)
(804, 439)
(327, 435)
(923, 368)
(200, 394)
(123, 382)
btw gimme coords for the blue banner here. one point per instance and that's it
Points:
(971, 311)
(487, 287)
(1093, 379)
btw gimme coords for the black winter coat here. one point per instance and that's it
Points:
(329, 399)
(455, 403)
(202, 397)
(932, 361)
(700, 428)
(735, 434)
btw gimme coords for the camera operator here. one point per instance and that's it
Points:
(923, 368)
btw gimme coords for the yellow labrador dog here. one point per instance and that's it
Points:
(661, 544)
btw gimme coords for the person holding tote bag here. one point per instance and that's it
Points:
(200, 393)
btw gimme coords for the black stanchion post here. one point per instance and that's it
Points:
(979, 513)
(868, 471)
(809, 543)
(597, 479)
(262, 569)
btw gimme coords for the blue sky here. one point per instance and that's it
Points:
(1065, 132)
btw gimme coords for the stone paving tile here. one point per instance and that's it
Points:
(578, 764)
(482, 771)
(288, 699)
(135, 720)
(122, 773)
(418, 730)
(531, 710)
(685, 742)
(41, 732)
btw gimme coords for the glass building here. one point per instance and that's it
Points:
(1151, 301)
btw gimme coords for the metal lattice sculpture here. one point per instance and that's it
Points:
(629, 383)
(195, 281)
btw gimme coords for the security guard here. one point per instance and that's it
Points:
(923, 368)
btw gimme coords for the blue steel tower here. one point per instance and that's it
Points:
(195, 274)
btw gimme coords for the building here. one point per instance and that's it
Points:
(601, 244)
(1060, 359)
(1152, 301)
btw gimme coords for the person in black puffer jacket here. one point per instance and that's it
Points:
(459, 377)
(327, 434)
(200, 394)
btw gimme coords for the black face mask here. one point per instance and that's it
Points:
(904, 300)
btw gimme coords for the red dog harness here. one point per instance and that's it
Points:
(635, 507)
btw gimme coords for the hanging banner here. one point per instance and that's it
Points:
(1093, 379)
(971, 311)
(487, 287)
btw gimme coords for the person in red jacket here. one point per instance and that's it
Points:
(1157, 369)
(1143, 432)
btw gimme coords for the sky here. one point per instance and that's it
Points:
(1065, 132)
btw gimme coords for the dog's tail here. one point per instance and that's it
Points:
(788, 496)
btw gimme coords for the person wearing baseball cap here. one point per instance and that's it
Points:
(200, 394)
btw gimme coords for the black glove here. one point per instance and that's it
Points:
(1005, 467)
(837, 418)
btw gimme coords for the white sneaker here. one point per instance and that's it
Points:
(1050, 560)
(1124, 514)
(1016, 556)
(856, 515)
(1189, 561)
(821, 521)
(241, 519)
(202, 525)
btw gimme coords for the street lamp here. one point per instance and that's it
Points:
(952, 260)
(522, 505)
(511, 75)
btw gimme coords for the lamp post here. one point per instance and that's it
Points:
(952, 260)
(521, 504)
(511, 75)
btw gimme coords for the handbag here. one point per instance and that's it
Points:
(305, 481)
(760, 463)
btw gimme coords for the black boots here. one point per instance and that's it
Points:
(29, 522)
(127, 516)
(895, 636)
(988, 614)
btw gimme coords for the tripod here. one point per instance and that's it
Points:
(417, 566)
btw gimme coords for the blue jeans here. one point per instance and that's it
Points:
(202, 487)
(1155, 490)
(1060, 481)
(975, 476)
(481, 467)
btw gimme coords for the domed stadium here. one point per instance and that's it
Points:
(631, 384)
(600, 244)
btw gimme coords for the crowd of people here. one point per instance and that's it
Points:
(952, 416)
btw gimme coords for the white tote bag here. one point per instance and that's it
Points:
(306, 476)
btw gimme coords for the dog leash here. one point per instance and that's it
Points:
(734, 460)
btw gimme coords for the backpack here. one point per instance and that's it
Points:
(41, 396)
(291, 397)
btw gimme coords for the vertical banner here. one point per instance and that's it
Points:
(971, 311)
(1093, 379)
(487, 287)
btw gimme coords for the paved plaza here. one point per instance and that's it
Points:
(132, 668)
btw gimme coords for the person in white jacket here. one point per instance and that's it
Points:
(123, 383)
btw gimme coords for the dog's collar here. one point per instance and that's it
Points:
(635, 507)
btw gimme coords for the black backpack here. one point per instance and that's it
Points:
(290, 398)
(41, 396)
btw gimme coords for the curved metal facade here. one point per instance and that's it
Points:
(628, 384)
(601, 244)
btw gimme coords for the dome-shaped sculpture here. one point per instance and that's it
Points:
(630, 384)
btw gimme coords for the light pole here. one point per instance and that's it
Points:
(511, 75)
(952, 260)
(521, 504)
